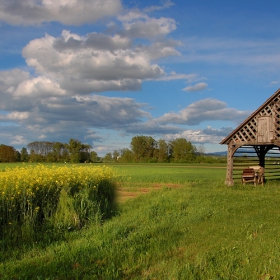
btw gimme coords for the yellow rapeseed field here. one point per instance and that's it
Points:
(32, 193)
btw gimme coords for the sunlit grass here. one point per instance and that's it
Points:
(194, 229)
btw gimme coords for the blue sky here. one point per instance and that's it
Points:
(103, 71)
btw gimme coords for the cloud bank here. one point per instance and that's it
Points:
(69, 12)
(60, 95)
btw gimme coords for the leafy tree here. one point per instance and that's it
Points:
(59, 152)
(161, 152)
(42, 148)
(143, 147)
(182, 150)
(94, 157)
(74, 146)
(8, 153)
(116, 155)
(85, 153)
(78, 152)
(201, 150)
(17, 156)
(24, 155)
(126, 155)
(108, 157)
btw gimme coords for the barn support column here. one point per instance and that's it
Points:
(261, 152)
(262, 156)
(229, 175)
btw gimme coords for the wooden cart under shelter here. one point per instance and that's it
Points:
(254, 146)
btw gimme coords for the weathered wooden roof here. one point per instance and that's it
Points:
(246, 132)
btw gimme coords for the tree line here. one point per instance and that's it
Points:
(142, 149)
(44, 151)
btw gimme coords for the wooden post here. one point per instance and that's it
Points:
(261, 152)
(229, 176)
(262, 156)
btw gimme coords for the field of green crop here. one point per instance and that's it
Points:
(168, 173)
(188, 225)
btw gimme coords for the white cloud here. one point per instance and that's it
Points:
(142, 26)
(196, 87)
(204, 110)
(69, 12)
(14, 116)
(56, 102)
(152, 127)
(38, 87)
(95, 63)
(159, 49)
(52, 114)
(18, 140)
(165, 4)
(175, 76)
(202, 136)
(9, 82)
(10, 79)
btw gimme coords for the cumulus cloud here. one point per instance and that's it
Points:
(18, 140)
(202, 136)
(56, 113)
(69, 12)
(58, 99)
(152, 127)
(60, 118)
(10, 79)
(200, 111)
(165, 4)
(82, 64)
(9, 82)
(38, 87)
(223, 131)
(142, 26)
(175, 76)
(196, 87)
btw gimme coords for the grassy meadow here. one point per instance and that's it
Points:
(172, 222)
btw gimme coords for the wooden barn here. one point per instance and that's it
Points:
(254, 146)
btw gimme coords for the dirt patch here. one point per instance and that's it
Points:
(124, 193)
(169, 185)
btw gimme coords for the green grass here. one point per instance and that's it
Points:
(199, 230)
(171, 173)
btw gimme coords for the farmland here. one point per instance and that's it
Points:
(173, 222)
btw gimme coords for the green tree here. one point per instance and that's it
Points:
(74, 146)
(161, 152)
(78, 152)
(59, 152)
(143, 147)
(182, 150)
(108, 157)
(8, 153)
(116, 156)
(85, 153)
(94, 157)
(126, 155)
(24, 155)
